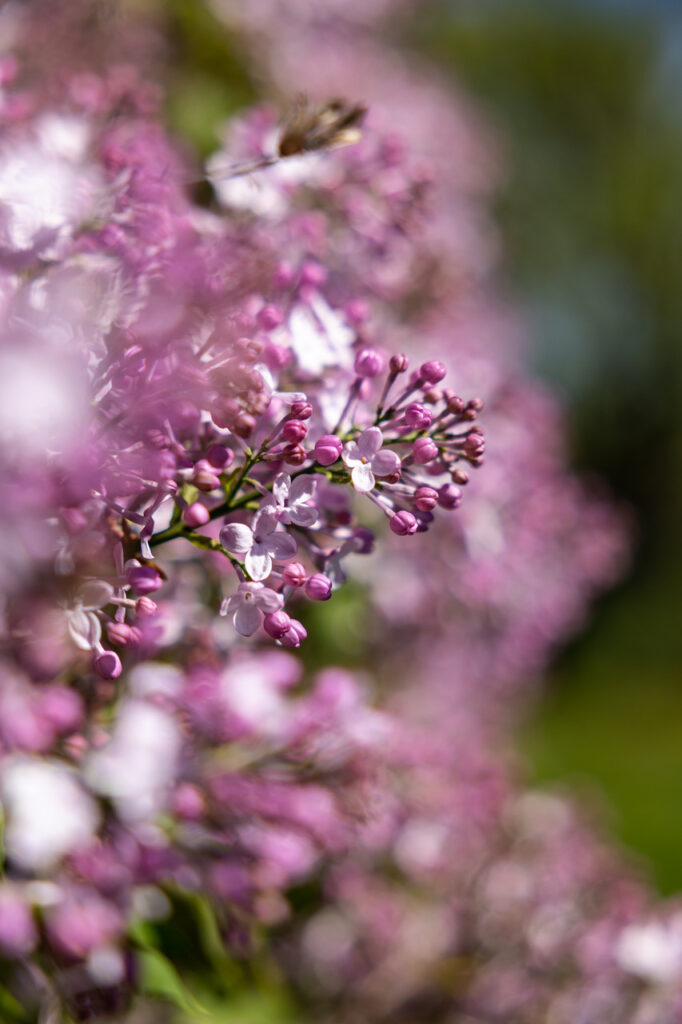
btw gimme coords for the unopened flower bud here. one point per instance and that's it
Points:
(294, 454)
(418, 416)
(369, 362)
(433, 396)
(243, 424)
(205, 477)
(195, 515)
(188, 802)
(145, 607)
(313, 274)
(424, 450)
(301, 410)
(269, 317)
(122, 634)
(294, 431)
(107, 664)
(318, 587)
(449, 496)
(403, 523)
(398, 363)
(356, 312)
(276, 624)
(432, 372)
(328, 449)
(219, 456)
(456, 404)
(294, 574)
(295, 635)
(460, 476)
(426, 498)
(144, 579)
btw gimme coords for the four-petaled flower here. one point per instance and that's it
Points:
(248, 606)
(289, 501)
(259, 546)
(366, 459)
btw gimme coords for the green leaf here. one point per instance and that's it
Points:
(159, 978)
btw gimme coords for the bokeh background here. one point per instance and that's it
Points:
(585, 97)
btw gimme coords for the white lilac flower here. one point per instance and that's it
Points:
(260, 546)
(366, 459)
(138, 764)
(83, 625)
(249, 604)
(289, 502)
(48, 813)
(319, 336)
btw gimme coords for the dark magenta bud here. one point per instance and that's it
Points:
(449, 496)
(301, 410)
(294, 431)
(369, 363)
(318, 587)
(432, 372)
(398, 363)
(328, 449)
(426, 498)
(424, 450)
(294, 574)
(404, 524)
(294, 454)
(276, 624)
(145, 579)
(107, 664)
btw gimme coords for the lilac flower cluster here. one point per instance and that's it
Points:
(186, 419)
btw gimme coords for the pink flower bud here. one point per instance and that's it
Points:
(276, 624)
(295, 635)
(356, 311)
(424, 450)
(122, 634)
(284, 275)
(145, 607)
(276, 356)
(369, 363)
(418, 416)
(328, 449)
(313, 274)
(219, 456)
(301, 410)
(456, 404)
(474, 445)
(107, 665)
(62, 707)
(205, 476)
(269, 317)
(432, 372)
(294, 431)
(318, 587)
(145, 579)
(403, 523)
(426, 498)
(294, 574)
(195, 515)
(243, 424)
(399, 363)
(18, 932)
(449, 496)
(188, 802)
(294, 454)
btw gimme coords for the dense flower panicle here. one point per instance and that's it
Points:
(201, 409)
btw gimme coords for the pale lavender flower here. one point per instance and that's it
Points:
(366, 459)
(249, 604)
(292, 499)
(260, 546)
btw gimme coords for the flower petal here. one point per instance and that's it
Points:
(385, 462)
(247, 618)
(302, 489)
(84, 629)
(281, 488)
(236, 538)
(258, 562)
(268, 600)
(351, 453)
(281, 546)
(264, 522)
(363, 478)
(369, 442)
(303, 515)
